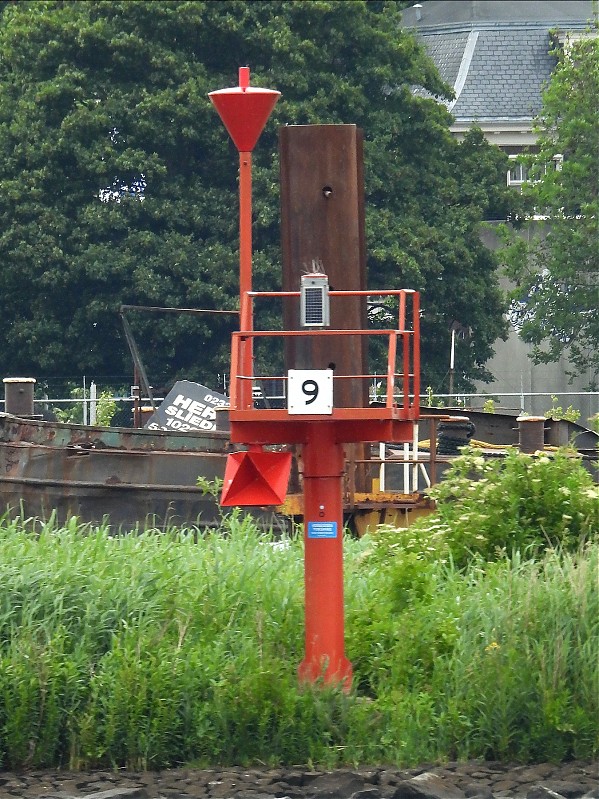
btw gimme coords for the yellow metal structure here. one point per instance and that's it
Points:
(368, 511)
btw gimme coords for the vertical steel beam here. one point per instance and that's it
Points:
(322, 221)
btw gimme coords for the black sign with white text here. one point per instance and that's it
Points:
(187, 406)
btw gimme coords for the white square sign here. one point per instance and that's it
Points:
(310, 391)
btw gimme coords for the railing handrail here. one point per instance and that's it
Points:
(242, 360)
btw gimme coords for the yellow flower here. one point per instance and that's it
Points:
(492, 647)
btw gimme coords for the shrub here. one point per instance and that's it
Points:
(556, 411)
(520, 502)
(105, 408)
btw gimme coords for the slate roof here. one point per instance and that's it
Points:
(447, 51)
(507, 74)
(495, 53)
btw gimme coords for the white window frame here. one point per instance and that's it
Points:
(555, 163)
(522, 169)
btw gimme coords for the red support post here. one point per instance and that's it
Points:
(245, 238)
(416, 349)
(391, 369)
(245, 268)
(324, 462)
(402, 312)
(406, 370)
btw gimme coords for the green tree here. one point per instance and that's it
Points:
(557, 271)
(118, 182)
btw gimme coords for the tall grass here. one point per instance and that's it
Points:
(497, 661)
(150, 650)
(142, 648)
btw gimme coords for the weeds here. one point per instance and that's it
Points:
(497, 661)
(556, 411)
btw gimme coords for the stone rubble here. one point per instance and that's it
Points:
(472, 780)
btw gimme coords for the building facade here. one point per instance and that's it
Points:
(496, 55)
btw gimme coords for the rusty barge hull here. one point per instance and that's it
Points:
(137, 478)
(121, 476)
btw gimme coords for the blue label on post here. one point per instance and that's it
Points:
(322, 529)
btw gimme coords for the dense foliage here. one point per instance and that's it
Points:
(494, 507)
(135, 650)
(557, 269)
(118, 182)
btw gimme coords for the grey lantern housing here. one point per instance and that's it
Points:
(314, 300)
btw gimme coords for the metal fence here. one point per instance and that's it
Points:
(84, 401)
(85, 410)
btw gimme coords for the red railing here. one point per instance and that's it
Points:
(402, 404)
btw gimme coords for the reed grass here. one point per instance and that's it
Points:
(151, 650)
(500, 662)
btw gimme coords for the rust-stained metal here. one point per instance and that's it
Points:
(135, 477)
(322, 221)
(322, 226)
(18, 395)
(131, 476)
(125, 476)
(531, 432)
(64, 434)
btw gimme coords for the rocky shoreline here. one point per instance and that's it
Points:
(471, 780)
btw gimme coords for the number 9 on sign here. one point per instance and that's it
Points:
(310, 391)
